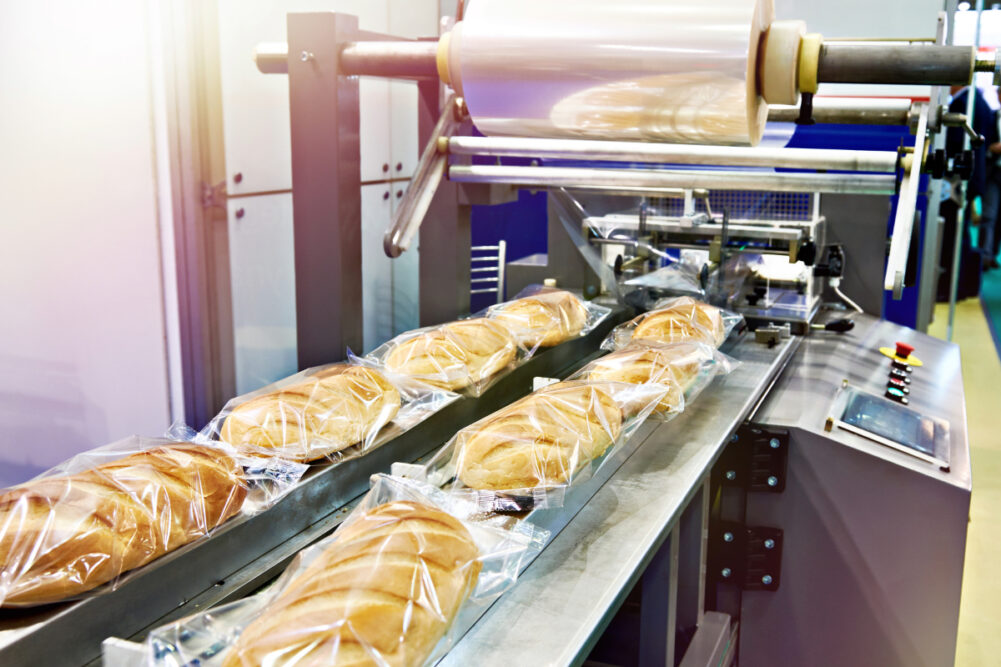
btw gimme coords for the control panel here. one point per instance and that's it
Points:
(902, 364)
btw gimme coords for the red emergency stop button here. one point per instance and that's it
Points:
(904, 350)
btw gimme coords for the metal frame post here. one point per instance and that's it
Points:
(326, 187)
(445, 238)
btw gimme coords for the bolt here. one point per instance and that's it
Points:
(238, 177)
(774, 443)
(773, 481)
(728, 537)
(769, 543)
(385, 195)
(399, 193)
(239, 213)
(767, 580)
(734, 438)
(399, 166)
(305, 56)
(726, 572)
(731, 475)
(385, 168)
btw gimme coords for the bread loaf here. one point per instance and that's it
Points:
(544, 319)
(541, 440)
(384, 592)
(328, 411)
(684, 320)
(64, 535)
(454, 355)
(674, 366)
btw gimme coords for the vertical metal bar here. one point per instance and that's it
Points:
(326, 188)
(932, 240)
(961, 215)
(692, 548)
(659, 607)
(501, 260)
(445, 237)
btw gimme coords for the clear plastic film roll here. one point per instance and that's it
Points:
(406, 571)
(80, 527)
(634, 70)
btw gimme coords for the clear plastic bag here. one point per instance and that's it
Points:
(686, 369)
(329, 412)
(467, 355)
(545, 316)
(528, 453)
(79, 527)
(679, 319)
(406, 570)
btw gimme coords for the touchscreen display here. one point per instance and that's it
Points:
(891, 421)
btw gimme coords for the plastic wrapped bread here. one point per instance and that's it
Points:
(676, 320)
(544, 442)
(466, 354)
(544, 316)
(683, 368)
(387, 588)
(114, 509)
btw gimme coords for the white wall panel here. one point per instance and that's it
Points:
(82, 354)
(255, 105)
(261, 268)
(377, 269)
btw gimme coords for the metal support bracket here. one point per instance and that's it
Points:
(747, 556)
(214, 196)
(756, 459)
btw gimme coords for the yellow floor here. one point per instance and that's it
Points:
(980, 613)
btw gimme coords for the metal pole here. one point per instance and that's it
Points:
(626, 151)
(402, 59)
(916, 64)
(573, 177)
(875, 111)
(961, 214)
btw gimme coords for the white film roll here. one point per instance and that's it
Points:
(633, 70)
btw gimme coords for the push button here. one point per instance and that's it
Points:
(896, 394)
(904, 350)
(897, 374)
(898, 384)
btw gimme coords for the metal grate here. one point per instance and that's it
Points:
(746, 205)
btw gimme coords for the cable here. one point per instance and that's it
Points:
(835, 284)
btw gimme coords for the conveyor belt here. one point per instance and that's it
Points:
(608, 530)
(247, 552)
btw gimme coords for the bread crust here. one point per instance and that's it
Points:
(541, 440)
(383, 592)
(544, 319)
(325, 413)
(685, 320)
(64, 535)
(454, 355)
(676, 366)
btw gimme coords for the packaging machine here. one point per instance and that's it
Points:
(797, 513)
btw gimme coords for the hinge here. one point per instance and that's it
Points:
(747, 556)
(214, 196)
(755, 459)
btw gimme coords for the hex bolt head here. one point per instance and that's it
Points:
(774, 443)
(767, 580)
(305, 56)
(734, 438)
(769, 543)
(726, 572)
(728, 537)
(240, 213)
(773, 481)
(731, 475)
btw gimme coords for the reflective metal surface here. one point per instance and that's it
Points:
(576, 177)
(621, 151)
(566, 597)
(643, 70)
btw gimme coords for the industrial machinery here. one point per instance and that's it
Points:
(810, 508)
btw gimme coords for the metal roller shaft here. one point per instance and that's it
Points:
(573, 177)
(624, 151)
(875, 111)
(919, 64)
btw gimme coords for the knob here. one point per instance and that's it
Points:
(904, 350)
(896, 394)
